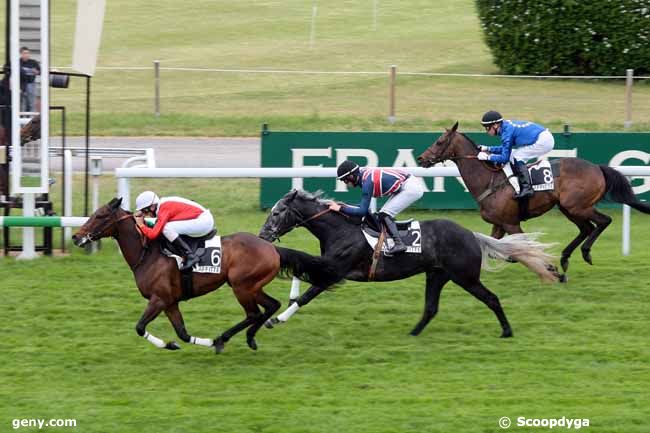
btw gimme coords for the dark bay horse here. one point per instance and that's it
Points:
(578, 187)
(248, 263)
(449, 253)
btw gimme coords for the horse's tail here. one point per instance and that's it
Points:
(317, 271)
(522, 247)
(620, 190)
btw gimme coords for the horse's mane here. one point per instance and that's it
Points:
(467, 138)
(318, 196)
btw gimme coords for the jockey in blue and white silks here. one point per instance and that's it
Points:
(402, 188)
(520, 142)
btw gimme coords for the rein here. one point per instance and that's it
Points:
(313, 217)
(143, 239)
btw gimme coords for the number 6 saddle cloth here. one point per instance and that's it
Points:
(207, 247)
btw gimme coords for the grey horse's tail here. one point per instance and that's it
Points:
(522, 247)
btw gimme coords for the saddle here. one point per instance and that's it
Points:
(371, 225)
(195, 244)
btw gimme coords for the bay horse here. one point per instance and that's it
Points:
(449, 253)
(579, 185)
(248, 263)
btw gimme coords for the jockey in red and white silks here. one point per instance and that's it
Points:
(174, 216)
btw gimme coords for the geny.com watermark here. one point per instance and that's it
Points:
(41, 423)
(549, 423)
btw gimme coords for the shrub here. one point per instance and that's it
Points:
(567, 37)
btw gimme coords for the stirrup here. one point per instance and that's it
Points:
(190, 261)
(524, 193)
(397, 248)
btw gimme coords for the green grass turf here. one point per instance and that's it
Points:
(343, 363)
(416, 35)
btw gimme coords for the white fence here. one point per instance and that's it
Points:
(124, 174)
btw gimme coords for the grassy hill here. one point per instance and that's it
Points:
(416, 35)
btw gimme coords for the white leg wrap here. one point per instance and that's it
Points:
(201, 341)
(288, 312)
(154, 340)
(295, 288)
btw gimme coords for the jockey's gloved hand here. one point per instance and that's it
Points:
(483, 148)
(483, 156)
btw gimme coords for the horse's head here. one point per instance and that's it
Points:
(31, 131)
(291, 211)
(440, 150)
(101, 224)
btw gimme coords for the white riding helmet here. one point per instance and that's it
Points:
(146, 199)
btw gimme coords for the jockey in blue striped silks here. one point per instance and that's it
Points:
(402, 188)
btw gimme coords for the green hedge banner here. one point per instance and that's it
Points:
(399, 149)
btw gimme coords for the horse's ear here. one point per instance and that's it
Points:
(455, 127)
(293, 194)
(115, 203)
(119, 202)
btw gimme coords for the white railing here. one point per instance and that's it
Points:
(124, 174)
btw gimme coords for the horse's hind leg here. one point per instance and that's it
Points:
(585, 230)
(153, 309)
(176, 318)
(252, 315)
(492, 301)
(271, 305)
(601, 221)
(435, 281)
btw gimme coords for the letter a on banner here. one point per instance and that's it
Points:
(90, 18)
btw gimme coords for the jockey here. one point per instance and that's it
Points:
(402, 188)
(175, 216)
(520, 141)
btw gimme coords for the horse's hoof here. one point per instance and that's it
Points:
(292, 301)
(172, 345)
(272, 321)
(587, 256)
(507, 333)
(218, 345)
(564, 278)
(511, 260)
(251, 343)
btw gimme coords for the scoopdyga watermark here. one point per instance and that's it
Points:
(545, 423)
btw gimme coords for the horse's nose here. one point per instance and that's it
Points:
(76, 239)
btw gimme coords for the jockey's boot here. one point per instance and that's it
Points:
(391, 227)
(190, 258)
(524, 180)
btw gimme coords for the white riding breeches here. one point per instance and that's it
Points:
(200, 226)
(544, 144)
(409, 192)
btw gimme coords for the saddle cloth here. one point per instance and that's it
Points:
(207, 247)
(408, 230)
(541, 176)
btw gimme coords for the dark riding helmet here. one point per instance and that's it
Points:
(346, 168)
(491, 117)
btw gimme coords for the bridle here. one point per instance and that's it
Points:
(98, 234)
(487, 165)
(302, 220)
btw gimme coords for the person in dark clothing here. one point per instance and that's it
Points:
(29, 69)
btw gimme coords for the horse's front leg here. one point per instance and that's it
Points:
(153, 309)
(306, 297)
(176, 318)
(497, 231)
